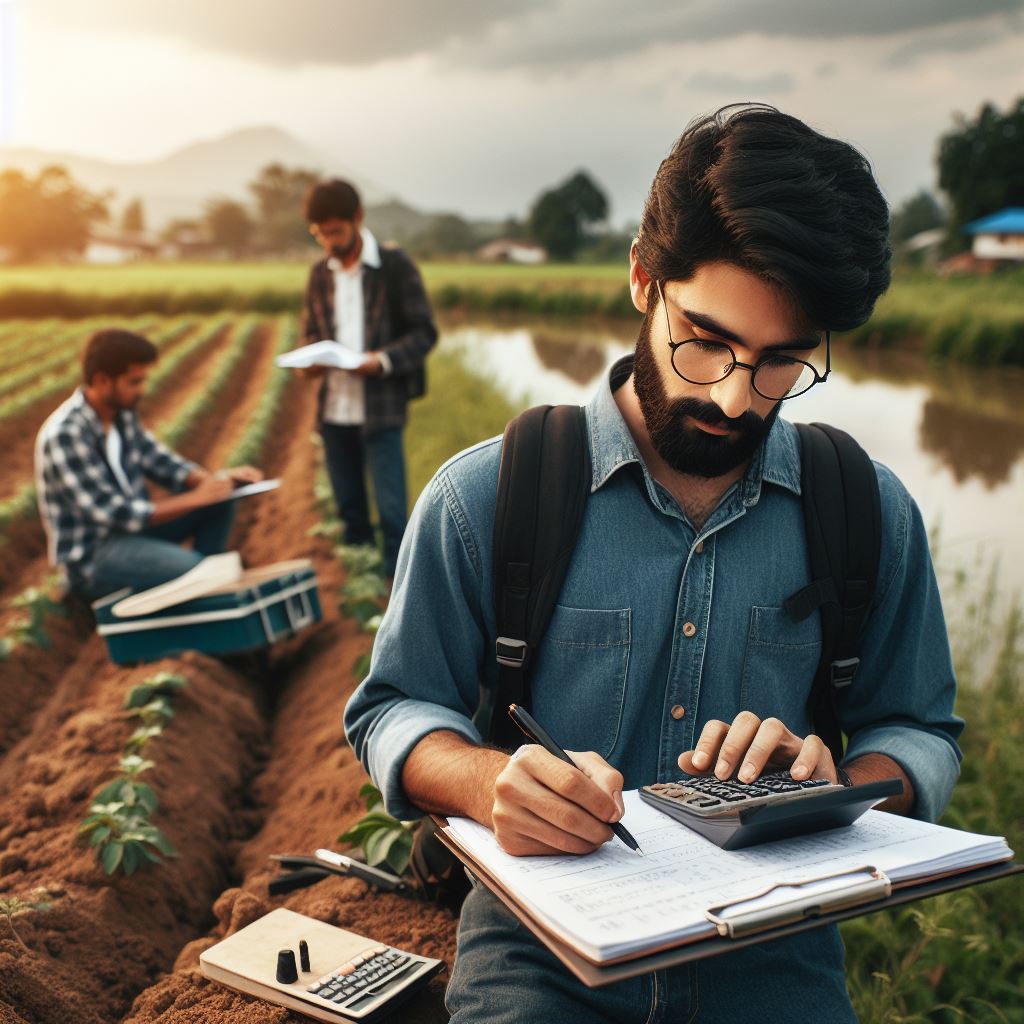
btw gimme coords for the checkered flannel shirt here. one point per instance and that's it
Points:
(80, 500)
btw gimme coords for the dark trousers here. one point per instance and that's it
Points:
(154, 556)
(347, 453)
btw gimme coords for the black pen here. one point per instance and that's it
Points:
(533, 731)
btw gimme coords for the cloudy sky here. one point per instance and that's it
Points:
(476, 105)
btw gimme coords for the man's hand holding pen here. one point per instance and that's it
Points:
(543, 805)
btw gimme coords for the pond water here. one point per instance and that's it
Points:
(953, 434)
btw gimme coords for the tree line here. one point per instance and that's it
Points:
(48, 216)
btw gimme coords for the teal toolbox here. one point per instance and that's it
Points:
(263, 606)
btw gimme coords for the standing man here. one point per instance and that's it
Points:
(93, 458)
(372, 300)
(670, 648)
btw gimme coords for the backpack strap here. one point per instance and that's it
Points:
(543, 485)
(843, 525)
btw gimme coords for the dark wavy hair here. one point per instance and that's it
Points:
(757, 188)
(332, 199)
(114, 351)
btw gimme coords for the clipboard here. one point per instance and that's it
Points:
(737, 931)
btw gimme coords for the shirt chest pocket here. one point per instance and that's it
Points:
(779, 663)
(579, 685)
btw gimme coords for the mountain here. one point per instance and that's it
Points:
(180, 184)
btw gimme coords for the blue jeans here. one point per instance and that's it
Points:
(503, 975)
(154, 555)
(347, 451)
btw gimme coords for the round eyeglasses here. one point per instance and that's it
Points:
(774, 377)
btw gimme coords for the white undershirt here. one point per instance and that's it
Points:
(113, 448)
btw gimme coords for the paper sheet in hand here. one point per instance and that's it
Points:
(247, 490)
(612, 904)
(322, 353)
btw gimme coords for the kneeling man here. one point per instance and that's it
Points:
(93, 458)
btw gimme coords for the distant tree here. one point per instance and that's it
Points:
(447, 234)
(183, 231)
(48, 216)
(981, 164)
(279, 194)
(921, 212)
(133, 220)
(228, 225)
(562, 218)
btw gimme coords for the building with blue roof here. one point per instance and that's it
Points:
(999, 236)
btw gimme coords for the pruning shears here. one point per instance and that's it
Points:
(305, 870)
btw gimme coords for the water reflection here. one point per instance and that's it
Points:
(581, 361)
(954, 435)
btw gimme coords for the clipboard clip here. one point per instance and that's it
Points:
(820, 895)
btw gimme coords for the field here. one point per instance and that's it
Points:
(254, 762)
(976, 320)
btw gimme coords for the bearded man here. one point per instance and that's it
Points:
(669, 648)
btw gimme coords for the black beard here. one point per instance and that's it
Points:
(343, 252)
(686, 448)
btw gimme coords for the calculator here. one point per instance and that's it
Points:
(734, 814)
(350, 977)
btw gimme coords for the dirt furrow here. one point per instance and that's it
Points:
(48, 778)
(28, 675)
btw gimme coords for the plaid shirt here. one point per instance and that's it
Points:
(80, 500)
(406, 344)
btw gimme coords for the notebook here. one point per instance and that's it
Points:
(611, 905)
(322, 353)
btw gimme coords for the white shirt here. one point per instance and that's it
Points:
(345, 398)
(113, 451)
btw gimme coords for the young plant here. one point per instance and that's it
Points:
(163, 684)
(14, 906)
(384, 840)
(363, 597)
(126, 788)
(30, 628)
(123, 837)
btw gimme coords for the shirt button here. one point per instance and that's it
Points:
(689, 629)
(677, 712)
(700, 547)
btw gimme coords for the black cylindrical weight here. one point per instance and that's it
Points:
(286, 972)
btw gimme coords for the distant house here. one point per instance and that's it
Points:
(1000, 236)
(107, 246)
(505, 250)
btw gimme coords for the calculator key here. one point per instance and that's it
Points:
(401, 960)
(350, 991)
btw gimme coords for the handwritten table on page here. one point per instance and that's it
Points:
(611, 903)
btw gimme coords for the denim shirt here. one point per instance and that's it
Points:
(660, 626)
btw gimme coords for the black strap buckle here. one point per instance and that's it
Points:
(510, 653)
(843, 671)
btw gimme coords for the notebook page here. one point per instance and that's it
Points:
(612, 903)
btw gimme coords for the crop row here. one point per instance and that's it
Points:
(249, 448)
(40, 356)
(60, 381)
(174, 433)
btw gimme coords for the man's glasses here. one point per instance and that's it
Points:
(774, 377)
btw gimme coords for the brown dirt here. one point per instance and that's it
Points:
(224, 819)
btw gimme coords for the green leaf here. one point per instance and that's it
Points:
(151, 855)
(99, 835)
(162, 843)
(400, 853)
(111, 856)
(132, 764)
(131, 857)
(378, 844)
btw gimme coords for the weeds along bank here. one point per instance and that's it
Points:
(971, 319)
